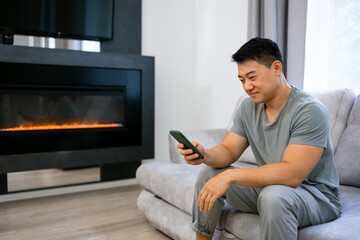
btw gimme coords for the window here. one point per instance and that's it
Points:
(332, 45)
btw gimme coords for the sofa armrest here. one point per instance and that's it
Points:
(208, 138)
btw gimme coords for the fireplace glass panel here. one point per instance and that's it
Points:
(50, 111)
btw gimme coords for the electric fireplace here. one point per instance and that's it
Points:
(50, 108)
(64, 109)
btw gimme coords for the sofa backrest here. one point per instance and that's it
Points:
(347, 156)
(338, 103)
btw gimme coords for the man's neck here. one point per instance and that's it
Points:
(274, 107)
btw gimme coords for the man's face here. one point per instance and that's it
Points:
(259, 82)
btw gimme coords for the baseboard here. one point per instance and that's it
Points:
(66, 190)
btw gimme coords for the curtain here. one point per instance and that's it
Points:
(284, 22)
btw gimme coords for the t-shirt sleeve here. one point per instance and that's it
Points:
(238, 123)
(311, 126)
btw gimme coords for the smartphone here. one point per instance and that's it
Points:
(182, 139)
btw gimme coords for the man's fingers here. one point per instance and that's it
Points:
(201, 204)
(211, 204)
(186, 152)
(207, 202)
(195, 162)
(195, 143)
(200, 195)
(201, 199)
(191, 157)
(180, 146)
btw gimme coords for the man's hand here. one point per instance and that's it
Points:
(212, 190)
(189, 155)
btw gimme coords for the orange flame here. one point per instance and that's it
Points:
(64, 126)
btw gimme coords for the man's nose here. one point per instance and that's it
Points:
(248, 86)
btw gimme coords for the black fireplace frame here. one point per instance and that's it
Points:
(116, 162)
(24, 79)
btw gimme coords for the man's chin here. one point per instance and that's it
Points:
(256, 99)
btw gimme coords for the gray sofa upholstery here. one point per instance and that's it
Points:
(167, 198)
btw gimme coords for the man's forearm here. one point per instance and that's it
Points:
(270, 174)
(218, 157)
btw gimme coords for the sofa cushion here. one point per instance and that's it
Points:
(243, 225)
(345, 227)
(168, 219)
(347, 156)
(172, 182)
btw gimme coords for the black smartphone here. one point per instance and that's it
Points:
(182, 139)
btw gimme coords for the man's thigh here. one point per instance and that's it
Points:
(308, 205)
(243, 198)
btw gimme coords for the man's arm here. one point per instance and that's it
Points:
(298, 161)
(220, 156)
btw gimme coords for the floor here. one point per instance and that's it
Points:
(106, 214)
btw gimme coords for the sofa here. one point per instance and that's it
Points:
(168, 187)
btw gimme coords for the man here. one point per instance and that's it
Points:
(296, 183)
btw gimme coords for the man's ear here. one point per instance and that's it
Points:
(277, 65)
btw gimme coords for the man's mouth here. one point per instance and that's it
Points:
(253, 94)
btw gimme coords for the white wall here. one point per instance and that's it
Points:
(196, 85)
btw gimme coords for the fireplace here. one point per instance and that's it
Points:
(63, 109)
(50, 108)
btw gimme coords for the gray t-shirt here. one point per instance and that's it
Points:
(303, 120)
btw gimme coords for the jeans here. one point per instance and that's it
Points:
(282, 209)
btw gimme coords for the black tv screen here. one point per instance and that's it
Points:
(78, 19)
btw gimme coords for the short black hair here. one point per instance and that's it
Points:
(262, 50)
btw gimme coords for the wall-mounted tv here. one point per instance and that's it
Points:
(78, 19)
